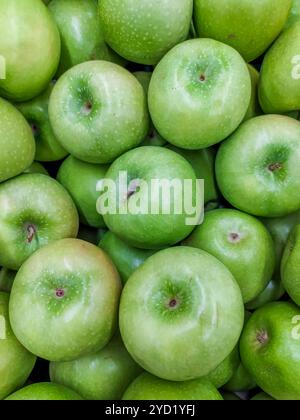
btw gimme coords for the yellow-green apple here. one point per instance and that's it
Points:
(44, 391)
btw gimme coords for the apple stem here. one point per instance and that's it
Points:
(30, 233)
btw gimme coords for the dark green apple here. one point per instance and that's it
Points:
(262, 396)
(101, 376)
(241, 242)
(34, 210)
(270, 350)
(36, 168)
(294, 15)
(290, 265)
(30, 46)
(144, 31)
(279, 84)
(98, 111)
(16, 362)
(273, 292)
(36, 112)
(224, 372)
(16, 142)
(7, 278)
(44, 391)
(146, 217)
(73, 291)
(148, 387)
(241, 380)
(258, 167)
(181, 314)
(199, 93)
(242, 24)
(254, 108)
(80, 180)
(80, 30)
(125, 257)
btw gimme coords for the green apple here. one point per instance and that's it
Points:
(73, 291)
(290, 265)
(44, 391)
(36, 112)
(273, 292)
(125, 257)
(7, 278)
(98, 111)
(262, 396)
(34, 210)
(203, 163)
(146, 216)
(294, 15)
(181, 314)
(80, 30)
(240, 381)
(148, 387)
(16, 142)
(224, 372)
(143, 32)
(29, 46)
(199, 93)
(258, 167)
(36, 168)
(80, 180)
(279, 84)
(248, 26)
(101, 376)
(240, 242)
(16, 362)
(254, 108)
(270, 350)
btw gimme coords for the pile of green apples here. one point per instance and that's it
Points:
(146, 306)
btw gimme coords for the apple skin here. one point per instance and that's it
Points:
(168, 313)
(258, 168)
(36, 112)
(16, 142)
(44, 391)
(7, 278)
(240, 242)
(199, 93)
(148, 387)
(240, 381)
(36, 168)
(268, 336)
(81, 34)
(80, 180)
(101, 376)
(254, 108)
(294, 15)
(279, 87)
(73, 289)
(262, 396)
(98, 111)
(150, 231)
(222, 374)
(144, 32)
(290, 265)
(34, 210)
(35, 44)
(125, 257)
(16, 362)
(242, 24)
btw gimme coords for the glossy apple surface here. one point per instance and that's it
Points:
(44, 391)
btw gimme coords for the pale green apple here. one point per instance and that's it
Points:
(199, 93)
(145, 31)
(249, 26)
(241, 242)
(148, 387)
(16, 362)
(72, 289)
(270, 350)
(98, 111)
(279, 86)
(16, 142)
(290, 265)
(36, 168)
(36, 112)
(6, 279)
(29, 47)
(80, 179)
(181, 314)
(101, 376)
(34, 210)
(258, 167)
(144, 215)
(44, 391)
(125, 257)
